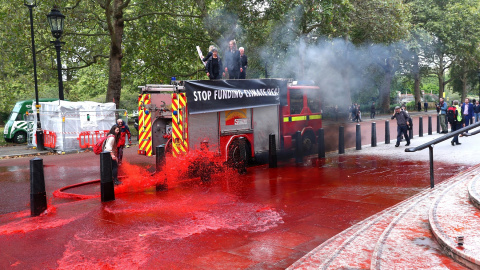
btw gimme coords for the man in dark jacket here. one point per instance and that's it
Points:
(232, 61)
(243, 62)
(467, 112)
(402, 125)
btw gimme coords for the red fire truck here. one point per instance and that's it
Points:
(221, 112)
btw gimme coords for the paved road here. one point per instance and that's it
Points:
(268, 218)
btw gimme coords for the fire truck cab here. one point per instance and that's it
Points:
(220, 113)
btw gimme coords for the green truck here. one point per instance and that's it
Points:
(17, 126)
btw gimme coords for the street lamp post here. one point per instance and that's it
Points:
(39, 132)
(55, 19)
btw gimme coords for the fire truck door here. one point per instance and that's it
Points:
(202, 127)
(265, 122)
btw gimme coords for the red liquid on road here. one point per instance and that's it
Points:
(267, 218)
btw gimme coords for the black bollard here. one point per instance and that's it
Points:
(429, 125)
(242, 169)
(358, 138)
(38, 196)
(106, 179)
(438, 123)
(387, 132)
(341, 140)
(272, 151)
(321, 143)
(159, 157)
(40, 138)
(410, 131)
(420, 126)
(298, 148)
(374, 134)
(159, 164)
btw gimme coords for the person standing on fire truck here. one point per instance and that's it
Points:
(214, 66)
(232, 61)
(244, 62)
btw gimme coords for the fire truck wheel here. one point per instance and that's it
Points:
(20, 137)
(308, 141)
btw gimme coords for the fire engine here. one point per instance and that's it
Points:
(219, 113)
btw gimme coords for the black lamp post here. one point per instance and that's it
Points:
(31, 4)
(55, 19)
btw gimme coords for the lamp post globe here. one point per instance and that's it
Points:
(39, 132)
(30, 3)
(55, 20)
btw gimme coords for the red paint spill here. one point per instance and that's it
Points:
(144, 228)
(176, 170)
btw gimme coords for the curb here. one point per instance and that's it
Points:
(449, 247)
(473, 194)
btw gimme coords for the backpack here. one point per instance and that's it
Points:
(452, 114)
(98, 147)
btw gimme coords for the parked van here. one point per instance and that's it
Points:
(17, 126)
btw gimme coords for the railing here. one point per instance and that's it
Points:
(431, 143)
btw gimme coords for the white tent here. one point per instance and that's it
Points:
(68, 120)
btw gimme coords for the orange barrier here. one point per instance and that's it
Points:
(88, 139)
(49, 139)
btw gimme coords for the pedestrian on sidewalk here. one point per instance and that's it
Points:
(442, 106)
(124, 131)
(372, 111)
(402, 125)
(467, 112)
(353, 108)
(476, 111)
(358, 114)
(425, 106)
(455, 121)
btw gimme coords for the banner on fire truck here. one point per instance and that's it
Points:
(223, 95)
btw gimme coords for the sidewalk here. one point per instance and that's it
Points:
(23, 150)
(20, 151)
(265, 219)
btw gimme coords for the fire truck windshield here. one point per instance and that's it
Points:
(313, 101)
(296, 101)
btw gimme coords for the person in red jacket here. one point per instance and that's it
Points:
(124, 130)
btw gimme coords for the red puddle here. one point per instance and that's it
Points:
(230, 213)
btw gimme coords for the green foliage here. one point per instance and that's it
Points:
(159, 40)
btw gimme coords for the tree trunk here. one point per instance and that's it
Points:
(116, 32)
(416, 75)
(441, 84)
(463, 78)
(386, 85)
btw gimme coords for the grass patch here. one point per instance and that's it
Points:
(2, 140)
